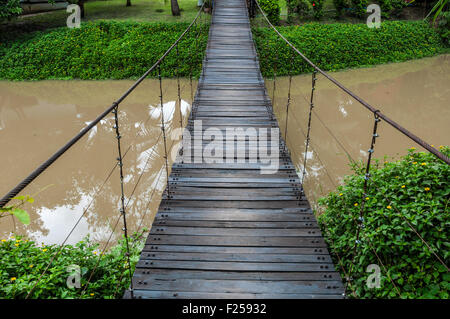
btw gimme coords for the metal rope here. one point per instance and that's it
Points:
(391, 122)
(25, 182)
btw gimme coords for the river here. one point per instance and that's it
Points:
(36, 118)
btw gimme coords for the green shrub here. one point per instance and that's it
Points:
(9, 9)
(340, 6)
(444, 27)
(338, 46)
(414, 190)
(359, 7)
(101, 50)
(317, 7)
(299, 8)
(272, 9)
(23, 261)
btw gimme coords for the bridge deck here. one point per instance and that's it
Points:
(226, 230)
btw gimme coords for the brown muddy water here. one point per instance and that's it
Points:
(36, 118)
(416, 94)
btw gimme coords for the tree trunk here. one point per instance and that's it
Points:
(175, 8)
(81, 4)
(128, 3)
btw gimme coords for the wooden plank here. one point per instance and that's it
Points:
(251, 241)
(152, 294)
(235, 232)
(216, 257)
(233, 266)
(141, 274)
(236, 249)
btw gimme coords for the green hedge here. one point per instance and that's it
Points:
(121, 50)
(414, 190)
(23, 261)
(340, 46)
(100, 50)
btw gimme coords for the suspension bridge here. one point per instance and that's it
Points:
(224, 229)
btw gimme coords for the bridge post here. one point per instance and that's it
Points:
(122, 196)
(311, 106)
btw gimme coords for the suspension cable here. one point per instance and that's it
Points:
(391, 122)
(25, 182)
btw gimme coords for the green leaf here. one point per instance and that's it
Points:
(21, 215)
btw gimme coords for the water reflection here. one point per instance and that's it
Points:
(416, 94)
(36, 118)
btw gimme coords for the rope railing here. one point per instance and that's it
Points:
(372, 109)
(124, 201)
(39, 170)
(359, 221)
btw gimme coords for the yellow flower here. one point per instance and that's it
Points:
(432, 145)
(3, 240)
(94, 252)
(92, 294)
(440, 146)
(414, 163)
(427, 189)
(423, 164)
(31, 266)
(341, 194)
(412, 148)
(356, 204)
(13, 279)
(18, 241)
(44, 250)
(17, 245)
(403, 186)
(367, 198)
(389, 207)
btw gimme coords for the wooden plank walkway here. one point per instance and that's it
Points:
(226, 230)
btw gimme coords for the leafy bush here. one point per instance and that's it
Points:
(272, 9)
(101, 50)
(360, 7)
(339, 46)
(444, 27)
(340, 6)
(317, 7)
(412, 191)
(299, 7)
(23, 261)
(9, 9)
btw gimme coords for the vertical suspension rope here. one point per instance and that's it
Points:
(179, 92)
(163, 128)
(366, 179)
(311, 106)
(288, 100)
(122, 196)
(274, 78)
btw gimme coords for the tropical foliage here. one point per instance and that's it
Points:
(102, 275)
(339, 46)
(404, 230)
